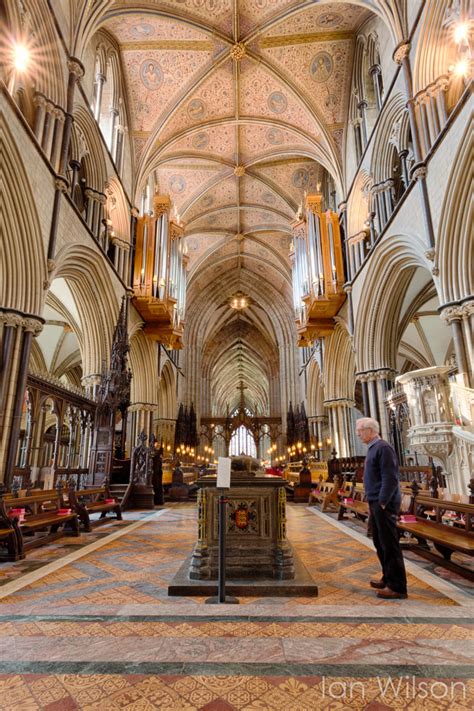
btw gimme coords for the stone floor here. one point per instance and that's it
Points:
(89, 625)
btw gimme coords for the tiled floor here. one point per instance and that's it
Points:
(101, 632)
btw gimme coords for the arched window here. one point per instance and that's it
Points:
(242, 442)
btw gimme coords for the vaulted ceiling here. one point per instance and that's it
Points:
(237, 107)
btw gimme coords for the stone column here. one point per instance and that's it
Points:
(91, 384)
(47, 128)
(454, 315)
(17, 332)
(100, 80)
(442, 84)
(341, 425)
(362, 106)
(40, 103)
(401, 56)
(57, 138)
(375, 72)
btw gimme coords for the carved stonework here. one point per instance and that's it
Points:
(238, 51)
(431, 414)
(401, 52)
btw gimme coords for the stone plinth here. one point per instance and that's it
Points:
(256, 544)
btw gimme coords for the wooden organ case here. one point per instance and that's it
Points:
(159, 278)
(318, 271)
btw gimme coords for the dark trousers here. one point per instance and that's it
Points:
(387, 545)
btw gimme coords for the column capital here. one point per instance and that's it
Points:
(419, 171)
(32, 325)
(39, 100)
(452, 313)
(61, 184)
(76, 67)
(10, 319)
(340, 402)
(375, 69)
(401, 52)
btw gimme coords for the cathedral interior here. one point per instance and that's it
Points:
(233, 227)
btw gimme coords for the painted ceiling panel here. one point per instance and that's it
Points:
(254, 191)
(263, 95)
(213, 99)
(212, 140)
(220, 195)
(256, 140)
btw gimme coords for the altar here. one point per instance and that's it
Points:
(259, 558)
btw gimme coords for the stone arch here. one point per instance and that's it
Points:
(23, 252)
(89, 143)
(360, 203)
(339, 373)
(167, 401)
(81, 269)
(314, 391)
(455, 246)
(391, 136)
(47, 75)
(143, 364)
(118, 210)
(376, 326)
(435, 49)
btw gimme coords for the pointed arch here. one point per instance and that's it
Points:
(97, 307)
(118, 209)
(167, 401)
(455, 246)
(376, 325)
(23, 252)
(89, 144)
(339, 373)
(143, 363)
(315, 391)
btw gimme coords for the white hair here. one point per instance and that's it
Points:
(369, 423)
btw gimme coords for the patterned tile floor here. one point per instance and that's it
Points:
(101, 632)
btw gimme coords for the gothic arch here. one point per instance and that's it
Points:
(118, 209)
(167, 402)
(455, 248)
(359, 204)
(143, 363)
(98, 309)
(92, 151)
(315, 391)
(392, 135)
(435, 49)
(339, 381)
(23, 252)
(390, 272)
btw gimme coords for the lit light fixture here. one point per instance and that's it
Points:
(239, 301)
(461, 68)
(461, 32)
(21, 57)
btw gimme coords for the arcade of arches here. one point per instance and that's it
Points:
(270, 202)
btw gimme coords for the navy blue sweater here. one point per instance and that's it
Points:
(381, 474)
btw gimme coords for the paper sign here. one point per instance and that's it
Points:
(223, 473)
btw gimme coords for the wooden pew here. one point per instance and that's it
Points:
(354, 503)
(42, 513)
(11, 539)
(446, 535)
(91, 500)
(327, 494)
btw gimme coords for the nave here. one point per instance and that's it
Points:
(86, 623)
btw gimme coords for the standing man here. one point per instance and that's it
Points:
(382, 491)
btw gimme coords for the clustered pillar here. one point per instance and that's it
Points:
(16, 335)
